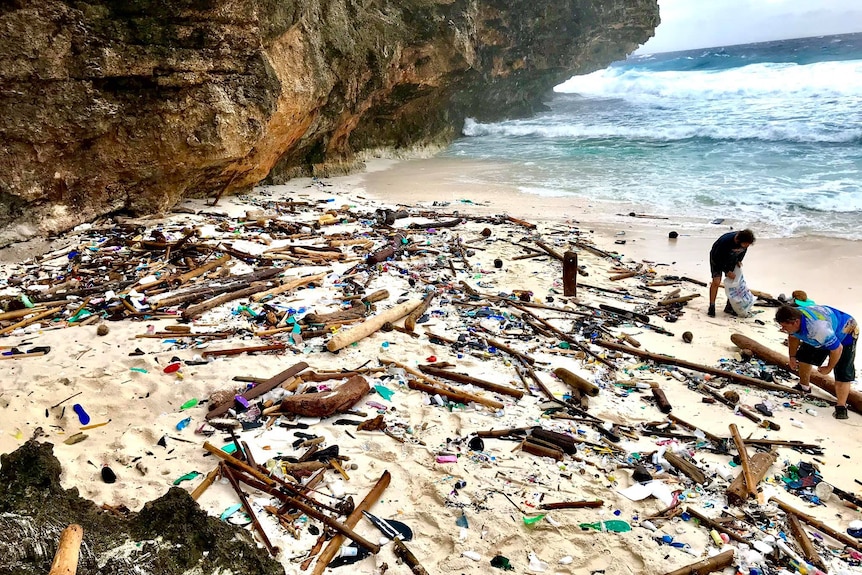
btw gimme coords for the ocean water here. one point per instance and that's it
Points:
(767, 135)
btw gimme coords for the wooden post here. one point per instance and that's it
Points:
(570, 274)
(711, 565)
(743, 458)
(737, 492)
(66, 558)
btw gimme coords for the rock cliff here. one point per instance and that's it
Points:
(131, 105)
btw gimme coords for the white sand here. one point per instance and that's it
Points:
(142, 407)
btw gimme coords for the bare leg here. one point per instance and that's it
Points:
(805, 375)
(842, 391)
(713, 289)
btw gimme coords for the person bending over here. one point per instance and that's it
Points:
(726, 253)
(818, 332)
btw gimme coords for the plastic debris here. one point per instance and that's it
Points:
(187, 477)
(83, 417)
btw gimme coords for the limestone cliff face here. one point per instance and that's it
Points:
(112, 105)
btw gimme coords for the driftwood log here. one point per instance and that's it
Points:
(668, 360)
(576, 382)
(686, 467)
(66, 559)
(345, 337)
(711, 565)
(738, 491)
(260, 389)
(470, 380)
(780, 359)
(413, 316)
(834, 533)
(326, 403)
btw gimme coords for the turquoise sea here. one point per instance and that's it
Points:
(768, 135)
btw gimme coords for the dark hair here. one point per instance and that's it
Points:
(745, 236)
(787, 314)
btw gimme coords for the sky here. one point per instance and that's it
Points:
(687, 24)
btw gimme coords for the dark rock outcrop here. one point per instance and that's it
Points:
(169, 535)
(111, 105)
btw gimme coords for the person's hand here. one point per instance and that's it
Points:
(731, 275)
(824, 369)
(794, 365)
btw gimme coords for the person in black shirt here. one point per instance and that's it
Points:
(726, 253)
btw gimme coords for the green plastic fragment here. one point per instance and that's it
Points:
(80, 315)
(138, 369)
(615, 525)
(230, 511)
(534, 520)
(384, 392)
(229, 448)
(189, 404)
(187, 477)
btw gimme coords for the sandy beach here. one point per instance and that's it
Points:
(465, 505)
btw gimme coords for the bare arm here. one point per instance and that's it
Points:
(792, 348)
(834, 356)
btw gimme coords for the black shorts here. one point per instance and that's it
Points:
(715, 269)
(844, 370)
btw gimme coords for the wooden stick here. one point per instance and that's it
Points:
(622, 276)
(711, 565)
(710, 524)
(345, 337)
(179, 280)
(337, 525)
(206, 483)
(240, 350)
(808, 550)
(743, 458)
(403, 553)
(688, 468)
(260, 389)
(513, 352)
(570, 274)
(21, 312)
(712, 437)
(683, 299)
(193, 311)
(31, 320)
(226, 471)
(66, 559)
(334, 544)
(410, 320)
(576, 382)
(657, 357)
(433, 386)
(288, 285)
(572, 505)
(835, 534)
(738, 492)
(459, 396)
(470, 380)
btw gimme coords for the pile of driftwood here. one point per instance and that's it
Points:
(125, 271)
